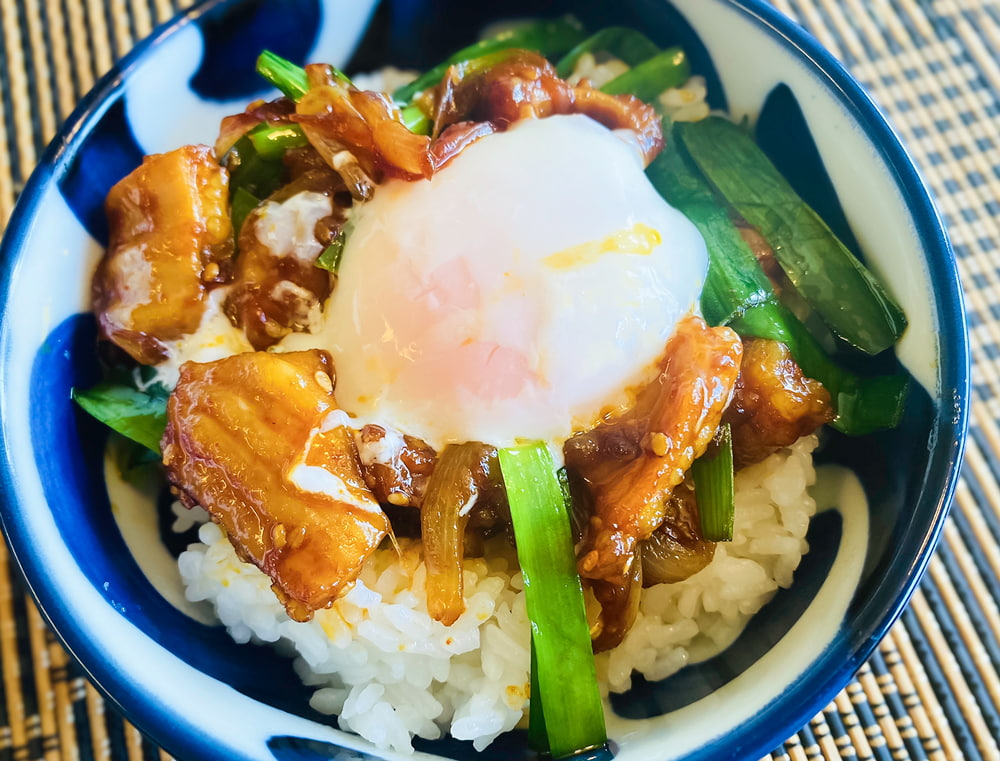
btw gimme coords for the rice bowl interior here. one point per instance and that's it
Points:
(775, 501)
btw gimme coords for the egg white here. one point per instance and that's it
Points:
(518, 294)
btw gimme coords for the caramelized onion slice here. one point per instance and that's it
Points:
(676, 549)
(461, 475)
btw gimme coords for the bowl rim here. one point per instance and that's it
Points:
(950, 422)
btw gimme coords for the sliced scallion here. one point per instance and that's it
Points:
(283, 74)
(713, 485)
(623, 43)
(272, 140)
(738, 293)
(841, 290)
(565, 674)
(549, 37)
(669, 68)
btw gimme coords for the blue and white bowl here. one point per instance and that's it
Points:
(202, 697)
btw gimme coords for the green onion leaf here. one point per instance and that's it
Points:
(648, 79)
(283, 74)
(550, 38)
(738, 293)
(713, 485)
(416, 120)
(623, 43)
(272, 140)
(538, 738)
(566, 679)
(135, 414)
(329, 258)
(825, 273)
(252, 173)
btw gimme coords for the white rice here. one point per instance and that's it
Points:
(390, 672)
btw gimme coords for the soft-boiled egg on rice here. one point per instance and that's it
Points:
(517, 294)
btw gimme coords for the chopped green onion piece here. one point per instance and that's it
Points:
(648, 79)
(623, 43)
(735, 281)
(738, 293)
(566, 679)
(244, 202)
(135, 414)
(713, 485)
(550, 38)
(272, 140)
(252, 172)
(416, 120)
(538, 739)
(827, 275)
(329, 258)
(283, 74)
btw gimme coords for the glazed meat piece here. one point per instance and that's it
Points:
(171, 238)
(696, 383)
(277, 287)
(396, 467)
(519, 84)
(257, 440)
(774, 404)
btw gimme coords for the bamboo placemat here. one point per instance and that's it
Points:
(931, 691)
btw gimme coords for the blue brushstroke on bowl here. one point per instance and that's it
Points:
(236, 33)
(108, 152)
(93, 161)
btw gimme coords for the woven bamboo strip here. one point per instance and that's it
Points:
(6, 175)
(100, 38)
(17, 720)
(83, 62)
(956, 682)
(48, 726)
(44, 105)
(141, 18)
(133, 743)
(66, 94)
(981, 597)
(123, 31)
(887, 727)
(19, 91)
(846, 703)
(68, 740)
(100, 745)
(928, 717)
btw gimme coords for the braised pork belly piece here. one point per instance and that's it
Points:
(277, 288)
(695, 385)
(258, 441)
(171, 239)
(774, 404)
(523, 85)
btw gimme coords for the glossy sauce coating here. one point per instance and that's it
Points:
(170, 240)
(256, 439)
(774, 404)
(694, 387)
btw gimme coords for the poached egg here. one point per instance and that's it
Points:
(525, 290)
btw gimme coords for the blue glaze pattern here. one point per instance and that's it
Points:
(908, 501)
(236, 33)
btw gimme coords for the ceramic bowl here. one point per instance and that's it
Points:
(185, 683)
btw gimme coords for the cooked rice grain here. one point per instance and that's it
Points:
(390, 672)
